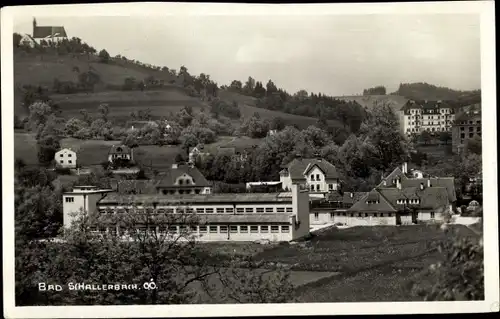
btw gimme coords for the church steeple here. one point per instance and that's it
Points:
(34, 25)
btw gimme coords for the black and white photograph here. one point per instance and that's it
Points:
(314, 159)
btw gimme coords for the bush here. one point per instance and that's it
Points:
(63, 171)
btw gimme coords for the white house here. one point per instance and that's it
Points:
(65, 158)
(183, 179)
(122, 152)
(217, 217)
(317, 174)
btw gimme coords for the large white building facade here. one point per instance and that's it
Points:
(212, 217)
(431, 116)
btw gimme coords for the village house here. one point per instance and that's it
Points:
(332, 209)
(319, 175)
(197, 151)
(44, 33)
(183, 179)
(120, 152)
(466, 126)
(65, 158)
(217, 217)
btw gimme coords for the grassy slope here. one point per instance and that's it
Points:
(368, 101)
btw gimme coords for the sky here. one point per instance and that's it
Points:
(331, 54)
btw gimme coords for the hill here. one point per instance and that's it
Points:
(368, 101)
(425, 91)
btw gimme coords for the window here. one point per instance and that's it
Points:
(249, 210)
(209, 210)
(366, 214)
(312, 188)
(169, 211)
(243, 229)
(312, 177)
(269, 210)
(181, 181)
(197, 191)
(213, 229)
(69, 155)
(200, 210)
(432, 215)
(189, 210)
(330, 186)
(187, 181)
(344, 214)
(181, 191)
(61, 161)
(254, 229)
(233, 229)
(289, 209)
(478, 129)
(317, 177)
(240, 210)
(359, 214)
(203, 229)
(390, 214)
(264, 229)
(229, 210)
(164, 192)
(317, 188)
(220, 210)
(375, 214)
(260, 209)
(462, 135)
(471, 129)
(316, 216)
(285, 229)
(70, 199)
(172, 229)
(471, 135)
(332, 215)
(275, 229)
(280, 209)
(223, 229)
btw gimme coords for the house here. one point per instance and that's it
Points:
(45, 34)
(432, 116)
(319, 175)
(332, 209)
(65, 158)
(466, 126)
(183, 179)
(272, 132)
(214, 217)
(120, 152)
(81, 198)
(194, 152)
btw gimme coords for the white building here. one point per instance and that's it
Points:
(317, 174)
(183, 179)
(432, 116)
(218, 217)
(82, 198)
(65, 158)
(120, 152)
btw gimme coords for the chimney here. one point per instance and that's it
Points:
(385, 183)
(398, 183)
(421, 185)
(406, 167)
(428, 183)
(351, 195)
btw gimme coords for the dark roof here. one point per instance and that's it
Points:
(133, 186)
(170, 176)
(430, 197)
(347, 199)
(47, 32)
(297, 168)
(382, 206)
(119, 149)
(446, 182)
(195, 198)
(397, 172)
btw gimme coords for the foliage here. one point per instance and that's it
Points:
(104, 56)
(445, 137)
(461, 275)
(255, 127)
(425, 137)
(377, 90)
(222, 108)
(202, 134)
(425, 91)
(47, 147)
(474, 145)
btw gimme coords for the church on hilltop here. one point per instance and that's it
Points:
(43, 34)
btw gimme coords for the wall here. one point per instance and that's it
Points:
(300, 203)
(323, 217)
(286, 182)
(82, 201)
(323, 187)
(366, 219)
(65, 158)
(426, 216)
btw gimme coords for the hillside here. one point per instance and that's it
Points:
(369, 101)
(425, 91)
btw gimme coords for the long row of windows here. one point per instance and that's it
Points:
(333, 215)
(213, 229)
(211, 210)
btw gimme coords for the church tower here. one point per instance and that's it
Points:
(34, 26)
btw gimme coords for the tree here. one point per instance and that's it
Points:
(249, 86)
(104, 56)
(425, 137)
(254, 127)
(47, 147)
(17, 39)
(316, 137)
(460, 276)
(474, 145)
(277, 123)
(73, 125)
(104, 111)
(445, 137)
(236, 86)
(39, 113)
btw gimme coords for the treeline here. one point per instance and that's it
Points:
(321, 106)
(425, 91)
(377, 90)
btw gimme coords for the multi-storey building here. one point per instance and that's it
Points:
(183, 179)
(65, 158)
(432, 116)
(466, 126)
(214, 217)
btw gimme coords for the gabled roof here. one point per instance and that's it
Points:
(119, 149)
(430, 197)
(446, 182)
(397, 172)
(382, 206)
(356, 196)
(299, 166)
(171, 175)
(133, 186)
(47, 32)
